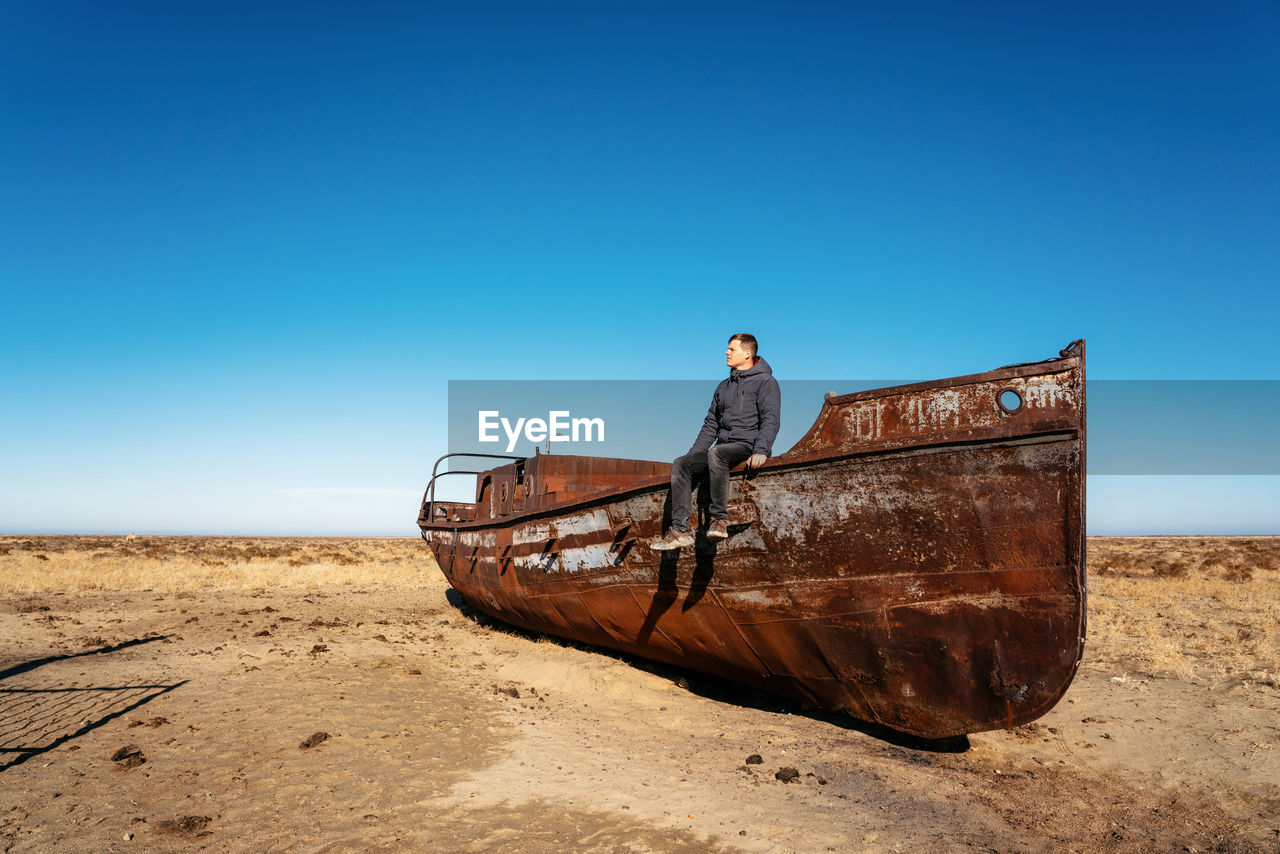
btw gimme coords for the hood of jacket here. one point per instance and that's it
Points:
(760, 367)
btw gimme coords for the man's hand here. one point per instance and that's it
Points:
(756, 461)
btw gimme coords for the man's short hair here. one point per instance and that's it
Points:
(746, 340)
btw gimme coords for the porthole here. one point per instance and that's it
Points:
(1009, 400)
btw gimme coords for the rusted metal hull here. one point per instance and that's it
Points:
(916, 560)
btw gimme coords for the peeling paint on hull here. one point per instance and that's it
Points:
(916, 560)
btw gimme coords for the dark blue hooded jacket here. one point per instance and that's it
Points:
(745, 408)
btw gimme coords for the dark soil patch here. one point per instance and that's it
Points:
(314, 739)
(129, 756)
(186, 825)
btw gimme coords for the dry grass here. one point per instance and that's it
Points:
(68, 564)
(1187, 607)
(1184, 607)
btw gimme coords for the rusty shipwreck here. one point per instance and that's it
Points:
(917, 560)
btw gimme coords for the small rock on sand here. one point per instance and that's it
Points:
(314, 739)
(186, 825)
(129, 756)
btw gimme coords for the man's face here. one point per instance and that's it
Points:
(738, 357)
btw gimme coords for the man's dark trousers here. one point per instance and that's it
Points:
(716, 463)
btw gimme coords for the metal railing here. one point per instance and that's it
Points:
(429, 496)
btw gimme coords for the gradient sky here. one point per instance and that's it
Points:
(244, 246)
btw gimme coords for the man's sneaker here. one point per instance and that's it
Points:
(718, 530)
(673, 540)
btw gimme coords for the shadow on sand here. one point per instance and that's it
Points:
(43, 712)
(722, 690)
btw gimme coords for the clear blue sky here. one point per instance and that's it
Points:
(243, 246)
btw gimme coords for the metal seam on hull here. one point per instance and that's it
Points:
(644, 615)
(1012, 526)
(886, 608)
(766, 670)
(586, 609)
(538, 594)
(892, 576)
(776, 466)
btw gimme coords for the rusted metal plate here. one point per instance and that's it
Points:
(916, 560)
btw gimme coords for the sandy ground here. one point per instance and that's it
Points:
(169, 720)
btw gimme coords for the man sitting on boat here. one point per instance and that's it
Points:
(740, 425)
